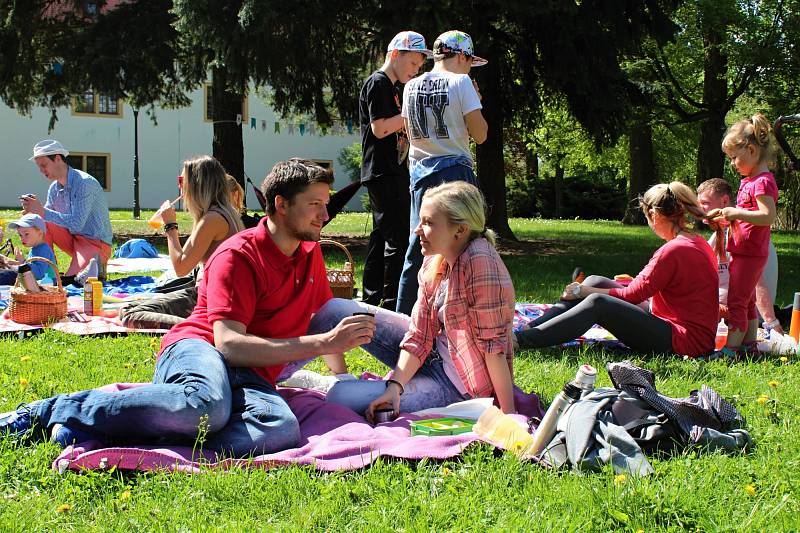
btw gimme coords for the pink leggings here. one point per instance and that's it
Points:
(745, 271)
(81, 249)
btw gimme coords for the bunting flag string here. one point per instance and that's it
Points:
(337, 127)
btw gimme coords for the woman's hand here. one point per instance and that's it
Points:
(572, 291)
(723, 215)
(390, 397)
(169, 216)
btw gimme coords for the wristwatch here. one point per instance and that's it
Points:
(576, 290)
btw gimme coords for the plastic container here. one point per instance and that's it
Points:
(441, 426)
(585, 379)
(623, 279)
(794, 327)
(722, 335)
(156, 221)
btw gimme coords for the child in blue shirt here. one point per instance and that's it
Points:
(31, 229)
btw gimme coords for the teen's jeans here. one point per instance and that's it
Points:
(407, 293)
(193, 392)
(430, 386)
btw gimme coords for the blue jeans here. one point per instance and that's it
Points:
(192, 387)
(407, 291)
(430, 386)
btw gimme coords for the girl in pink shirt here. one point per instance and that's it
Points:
(680, 282)
(750, 146)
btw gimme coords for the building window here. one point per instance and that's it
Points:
(208, 106)
(95, 164)
(94, 104)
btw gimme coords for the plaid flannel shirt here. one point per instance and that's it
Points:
(478, 315)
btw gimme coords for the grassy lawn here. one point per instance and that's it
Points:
(482, 489)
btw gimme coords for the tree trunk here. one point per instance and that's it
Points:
(710, 158)
(491, 167)
(531, 164)
(227, 146)
(642, 170)
(558, 189)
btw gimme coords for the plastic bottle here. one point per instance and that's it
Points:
(547, 428)
(495, 426)
(27, 280)
(794, 326)
(722, 335)
(585, 379)
(88, 297)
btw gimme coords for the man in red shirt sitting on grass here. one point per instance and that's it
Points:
(216, 372)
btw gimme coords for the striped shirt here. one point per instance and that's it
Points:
(80, 206)
(478, 314)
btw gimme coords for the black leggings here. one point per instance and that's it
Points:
(567, 320)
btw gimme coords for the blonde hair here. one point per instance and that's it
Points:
(678, 203)
(235, 193)
(205, 186)
(462, 203)
(755, 131)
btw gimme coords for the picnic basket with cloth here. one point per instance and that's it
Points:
(44, 307)
(342, 280)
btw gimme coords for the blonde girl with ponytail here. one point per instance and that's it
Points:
(750, 146)
(670, 307)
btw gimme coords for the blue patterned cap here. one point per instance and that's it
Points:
(457, 41)
(411, 41)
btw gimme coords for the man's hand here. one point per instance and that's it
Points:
(351, 332)
(30, 204)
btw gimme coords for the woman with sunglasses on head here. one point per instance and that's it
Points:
(207, 197)
(680, 282)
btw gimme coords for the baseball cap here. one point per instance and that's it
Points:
(457, 41)
(28, 221)
(410, 41)
(48, 147)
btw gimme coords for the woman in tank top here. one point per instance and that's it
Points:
(206, 196)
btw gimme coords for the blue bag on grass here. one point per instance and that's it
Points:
(136, 248)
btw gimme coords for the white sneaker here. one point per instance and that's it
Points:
(91, 270)
(306, 379)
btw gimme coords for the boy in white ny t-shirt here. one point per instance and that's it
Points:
(442, 110)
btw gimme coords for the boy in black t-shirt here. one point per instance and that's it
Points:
(384, 169)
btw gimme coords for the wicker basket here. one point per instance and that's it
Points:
(38, 307)
(341, 280)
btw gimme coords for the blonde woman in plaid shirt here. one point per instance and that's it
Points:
(457, 344)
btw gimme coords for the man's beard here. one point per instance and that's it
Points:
(303, 235)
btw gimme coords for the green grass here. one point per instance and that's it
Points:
(482, 489)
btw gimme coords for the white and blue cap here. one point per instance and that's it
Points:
(48, 147)
(457, 41)
(410, 41)
(29, 221)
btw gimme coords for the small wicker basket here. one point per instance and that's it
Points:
(38, 307)
(342, 280)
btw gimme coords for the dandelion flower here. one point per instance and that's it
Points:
(620, 479)
(63, 508)
(25, 358)
(23, 382)
(750, 490)
(762, 399)
(125, 496)
(784, 359)
(773, 383)
(127, 365)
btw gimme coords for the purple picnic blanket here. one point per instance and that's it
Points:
(332, 437)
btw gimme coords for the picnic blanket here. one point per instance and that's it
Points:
(125, 265)
(333, 437)
(122, 290)
(525, 313)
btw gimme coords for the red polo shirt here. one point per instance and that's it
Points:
(249, 280)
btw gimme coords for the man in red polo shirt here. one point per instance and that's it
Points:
(217, 370)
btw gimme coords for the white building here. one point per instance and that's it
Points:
(99, 133)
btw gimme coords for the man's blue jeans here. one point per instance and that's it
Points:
(192, 388)
(430, 386)
(407, 291)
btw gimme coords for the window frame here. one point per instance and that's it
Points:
(106, 155)
(96, 106)
(245, 106)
